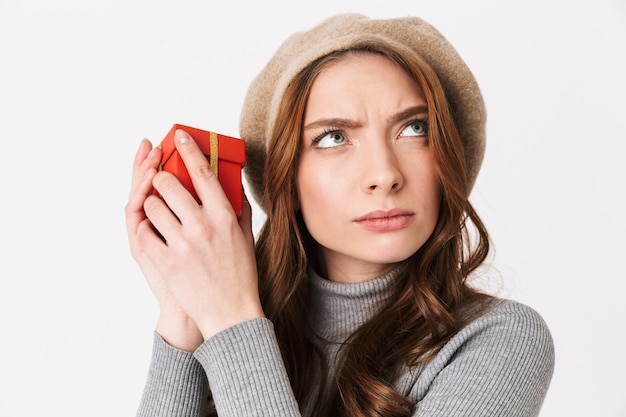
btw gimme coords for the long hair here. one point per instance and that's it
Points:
(432, 298)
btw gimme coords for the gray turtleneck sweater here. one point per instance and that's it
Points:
(501, 364)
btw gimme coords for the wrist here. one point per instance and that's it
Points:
(179, 330)
(218, 323)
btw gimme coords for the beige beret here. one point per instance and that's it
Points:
(342, 32)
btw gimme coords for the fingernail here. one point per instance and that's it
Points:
(182, 136)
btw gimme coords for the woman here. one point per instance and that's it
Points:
(364, 138)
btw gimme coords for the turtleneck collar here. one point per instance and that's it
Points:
(338, 309)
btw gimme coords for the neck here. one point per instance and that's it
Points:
(338, 309)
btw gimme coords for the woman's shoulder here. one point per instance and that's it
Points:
(503, 359)
(502, 318)
(505, 327)
(503, 333)
(513, 315)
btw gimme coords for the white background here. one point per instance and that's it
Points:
(81, 82)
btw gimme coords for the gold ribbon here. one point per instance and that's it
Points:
(213, 158)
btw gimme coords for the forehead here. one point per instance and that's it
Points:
(362, 79)
(354, 65)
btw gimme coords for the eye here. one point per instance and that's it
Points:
(330, 139)
(415, 128)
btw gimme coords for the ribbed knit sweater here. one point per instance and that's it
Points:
(500, 364)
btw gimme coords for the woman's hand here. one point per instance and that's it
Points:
(207, 261)
(174, 325)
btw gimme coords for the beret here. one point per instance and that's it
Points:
(343, 32)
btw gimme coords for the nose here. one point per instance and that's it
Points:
(380, 168)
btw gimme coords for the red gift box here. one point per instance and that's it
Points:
(227, 156)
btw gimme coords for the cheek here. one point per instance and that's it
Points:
(425, 186)
(432, 186)
(321, 193)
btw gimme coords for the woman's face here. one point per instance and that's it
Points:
(367, 184)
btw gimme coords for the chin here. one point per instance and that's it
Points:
(395, 251)
(385, 257)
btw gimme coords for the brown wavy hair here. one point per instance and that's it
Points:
(432, 299)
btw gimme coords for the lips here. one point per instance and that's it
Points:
(385, 220)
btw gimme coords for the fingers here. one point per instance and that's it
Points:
(163, 219)
(180, 207)
(144, 168)
(146, 159)
(152, 245)
(202, 176)
(175, 195)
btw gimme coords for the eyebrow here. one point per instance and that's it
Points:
(334, 122)
(341, 123)
(408, 113)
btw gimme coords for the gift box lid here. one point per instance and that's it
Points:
(229, 149)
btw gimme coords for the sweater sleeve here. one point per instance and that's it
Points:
(499, 365)
(176, 384)
(246, 372)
